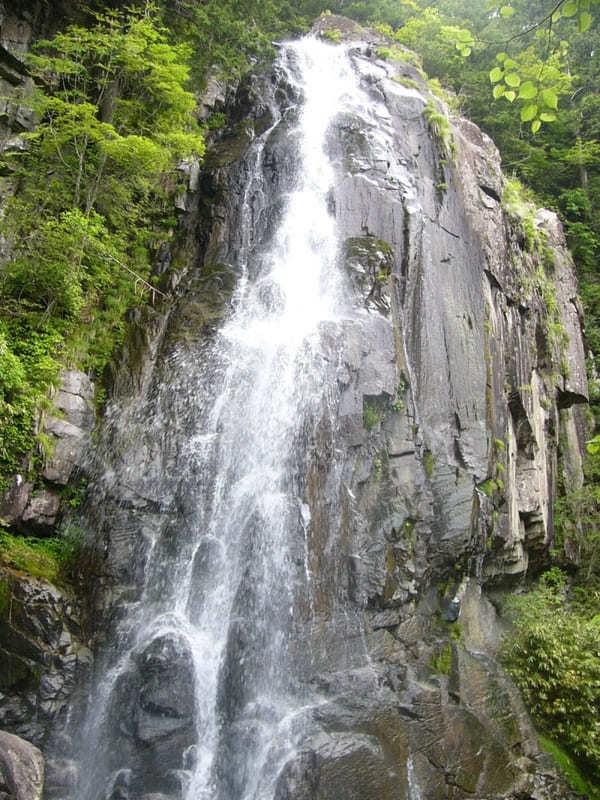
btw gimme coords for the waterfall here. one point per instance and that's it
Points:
(270, 386)
(284, 502)
(228, 603)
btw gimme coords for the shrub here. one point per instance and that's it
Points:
(553, 653)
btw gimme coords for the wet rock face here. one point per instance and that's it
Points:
(166, 700)
(42, 655)
(427, 479)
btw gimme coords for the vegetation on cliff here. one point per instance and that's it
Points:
(554, 658)
(94, 203)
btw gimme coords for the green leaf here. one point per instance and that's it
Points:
(506, 12)
(584, 20)
(527, 91)
(498, 91)
(464, 36)
(510, 95)
(501, 57)
(593, 446)
(536, 125)
(465, 51)
(496, 75)
(549, 98)
(570, 8)
(546, 117)
(512, 79)
(510, 64)
(529, 112)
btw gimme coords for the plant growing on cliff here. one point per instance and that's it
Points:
(577, 520)
(440, 127)
(49, 558)
(554, 657)
(94, 191)
(333, 35)
(441, 661)
(370, 416)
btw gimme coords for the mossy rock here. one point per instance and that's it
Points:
(333, 27)
(376, 407)
(205, 303)
(5, 592)
(370, 262)
(232, 146)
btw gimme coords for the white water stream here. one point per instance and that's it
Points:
(269, 387)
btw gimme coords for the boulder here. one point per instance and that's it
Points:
(21, 768)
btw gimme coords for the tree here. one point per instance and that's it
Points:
(93, 202)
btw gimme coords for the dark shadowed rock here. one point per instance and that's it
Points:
(41, 655)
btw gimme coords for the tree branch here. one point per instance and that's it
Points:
(534, 27)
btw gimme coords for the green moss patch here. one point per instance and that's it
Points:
(49, 558)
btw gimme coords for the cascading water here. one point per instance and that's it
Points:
(228, 604)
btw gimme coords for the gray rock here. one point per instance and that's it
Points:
(15, 499)
(71, 434)
(21, 767)
(41, 655)
(77, 383)
(42, 509)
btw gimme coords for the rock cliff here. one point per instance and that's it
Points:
(429, 472)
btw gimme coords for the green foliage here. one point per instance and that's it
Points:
(216, 120)
(90, 213)
(333, 35)
(535, 85)
(30, 348)
(490, 486)
(442, 45)
(429, 463)
(567, 767)
(228, 36)
(552, 653)
(51, 558)
(370, 416)
(378, 469)
(74, 492)
(5, 598)
(399, 402)
(441, 661)
(440, 127)
(577, 518)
